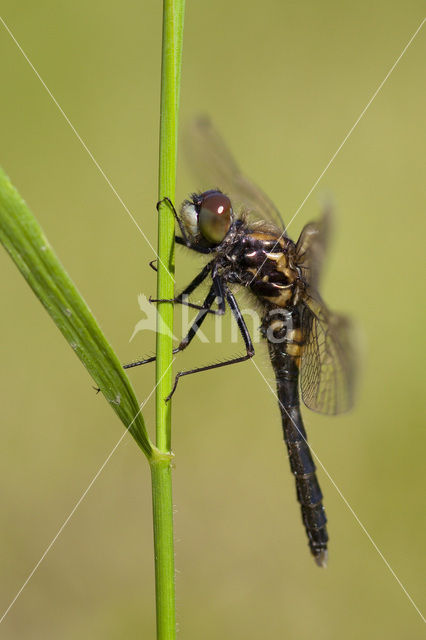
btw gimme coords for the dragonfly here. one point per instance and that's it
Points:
(242, 234)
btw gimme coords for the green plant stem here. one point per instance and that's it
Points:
(173, 15)
(163, 547)
(170, 80)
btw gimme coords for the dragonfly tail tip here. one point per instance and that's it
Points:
(321, 558)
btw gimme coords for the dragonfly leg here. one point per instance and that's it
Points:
(138, 363)
(204, 310)
(179, 300)
(188, 245)
(210, 298)
(245, 335)
(199, 278)
(167, 201)
(184, 240)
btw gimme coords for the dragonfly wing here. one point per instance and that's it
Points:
(327, 370)
(214, 166)
(311, 248)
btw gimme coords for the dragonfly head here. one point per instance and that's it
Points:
(207, 217)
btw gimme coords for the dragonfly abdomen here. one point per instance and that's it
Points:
(303, 467)
(286, 350)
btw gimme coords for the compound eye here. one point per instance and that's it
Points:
(214, 218)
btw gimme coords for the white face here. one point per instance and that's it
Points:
(189, 219)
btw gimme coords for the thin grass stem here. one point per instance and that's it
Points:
(173, 17)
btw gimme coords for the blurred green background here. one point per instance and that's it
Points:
(284, 82)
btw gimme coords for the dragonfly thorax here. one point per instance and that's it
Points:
(260, 259)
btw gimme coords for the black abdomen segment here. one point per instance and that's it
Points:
(308, 490)
(309, 494)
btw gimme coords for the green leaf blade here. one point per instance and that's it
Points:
(24, 240)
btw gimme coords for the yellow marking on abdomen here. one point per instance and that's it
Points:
(295, 335)
(281, 299)
(293, 349)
